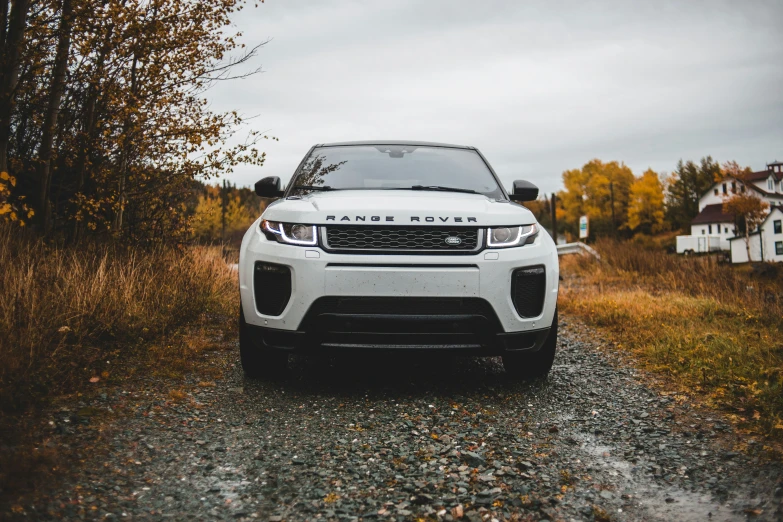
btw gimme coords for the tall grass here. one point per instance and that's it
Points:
(712, 328)
(65, 311)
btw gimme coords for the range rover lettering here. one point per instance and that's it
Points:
(397, 246)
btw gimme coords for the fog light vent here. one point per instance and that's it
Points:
(528, 289)
(272, 288)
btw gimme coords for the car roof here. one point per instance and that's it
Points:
(394, 142)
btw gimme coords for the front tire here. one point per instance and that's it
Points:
(534, 365)
(258, 360)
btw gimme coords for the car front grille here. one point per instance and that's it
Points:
(408, 239)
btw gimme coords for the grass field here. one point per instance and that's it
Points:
(708, 327)
(71, 317)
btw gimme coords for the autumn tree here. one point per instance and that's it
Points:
(108, 121)
(224, 213)
(646, 210)
(685, 186)
(13, 29)
(599, 190)
(748, 209)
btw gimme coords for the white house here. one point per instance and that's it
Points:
(713, 222)
(766, 243)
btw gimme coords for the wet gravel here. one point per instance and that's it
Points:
(378, 439)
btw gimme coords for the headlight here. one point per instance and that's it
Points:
(504, 237)
(290, 233)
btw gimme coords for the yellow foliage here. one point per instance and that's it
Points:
(208, 219)
(588, 191)
(645, 210)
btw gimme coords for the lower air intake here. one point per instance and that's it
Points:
(272, 288)
(528, 289)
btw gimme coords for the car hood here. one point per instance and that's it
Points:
(398, 207)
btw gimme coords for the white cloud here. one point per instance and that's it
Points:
(539, 87)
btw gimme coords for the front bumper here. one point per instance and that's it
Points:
(435, 284)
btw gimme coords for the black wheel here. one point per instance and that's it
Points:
(258, 361)
(534, 365)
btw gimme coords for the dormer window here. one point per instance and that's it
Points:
(770, 184)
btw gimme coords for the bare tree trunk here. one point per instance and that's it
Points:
(125, 155)
(89, 128)
(9, 72)
(4, 21)
(50, 122)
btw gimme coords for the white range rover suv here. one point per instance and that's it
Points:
(397, 246)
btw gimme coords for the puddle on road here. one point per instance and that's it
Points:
(650, 497)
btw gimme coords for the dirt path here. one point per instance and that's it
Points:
(382, 440)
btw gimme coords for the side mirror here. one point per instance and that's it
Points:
(524, 191)
(269, 187)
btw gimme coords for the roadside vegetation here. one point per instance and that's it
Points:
(708, 328)
(72, 317)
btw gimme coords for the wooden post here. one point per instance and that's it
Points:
(223, 195)
(614, 223)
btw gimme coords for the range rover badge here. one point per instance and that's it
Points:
(453, 240)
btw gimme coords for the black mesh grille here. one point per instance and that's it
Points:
(403, 305)
(272, 288)
(528, 286)
(346, 237)
(403, 316)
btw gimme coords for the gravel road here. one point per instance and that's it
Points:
(402, 440)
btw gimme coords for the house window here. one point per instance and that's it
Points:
(726, 230)
(724, 189)
(709, 227)
(716, 190)
(771, 185)
(703, 232)
(778, 226)
(779, 248)
(734, 187)
(742, 189)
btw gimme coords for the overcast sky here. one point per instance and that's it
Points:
(538, 87)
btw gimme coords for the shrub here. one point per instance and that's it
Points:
(65, 311)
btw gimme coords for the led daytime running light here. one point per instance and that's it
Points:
(279, 230)
(520, 238)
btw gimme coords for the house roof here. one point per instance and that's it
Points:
(764, 174)
(764, 192)
(712, 214)
(772, 211)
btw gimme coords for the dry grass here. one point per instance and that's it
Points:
(67, 315)
(712, 328)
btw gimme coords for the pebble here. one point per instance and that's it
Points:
(404, 439)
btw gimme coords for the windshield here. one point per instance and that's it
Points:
(395, 167)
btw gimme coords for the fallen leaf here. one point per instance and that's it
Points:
(95, 379)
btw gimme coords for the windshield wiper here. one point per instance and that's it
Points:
(443, 189)
(324, 188)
